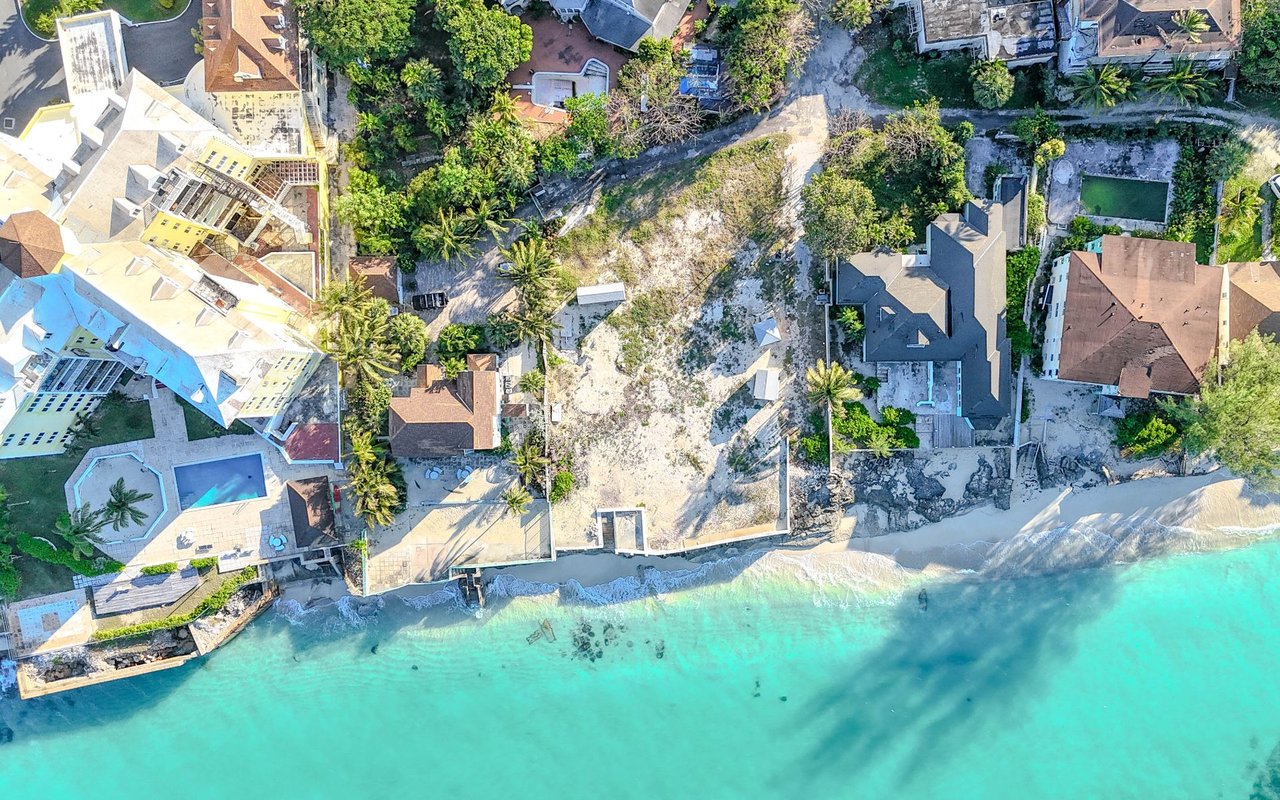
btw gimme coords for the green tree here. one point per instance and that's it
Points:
(457, 339)
(764, 40)
(1145, 434)
(484, 43)
(534, 324)
(365, 449)
(1050, 150)
(530, 265)
(586, 139)
(533, 381)
(849, 318)
(853, 14)
(517, 500)
(407, 336)
(840, 215)
(1239, 420)
(422, 79)
(79, 529)
(358, 344)
(376, 494)
(1183, 83)
(1102, 86)
(121, 508)
(376, 213)
(992, 83)
(487, 217)
(1191, 23)
(1260, 46)
(830, 385)
(345, 31)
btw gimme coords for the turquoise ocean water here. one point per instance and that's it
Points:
(1157, 680)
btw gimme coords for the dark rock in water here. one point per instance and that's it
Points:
(6, 734)
(783, 698)
(374, 649)
(415, 667)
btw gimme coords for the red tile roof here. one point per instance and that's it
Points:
(313, 441)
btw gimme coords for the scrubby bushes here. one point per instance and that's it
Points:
(206, 562)
(160, 569)
(856, 429)
(1145, 433)
(561, 485)
(42, 550)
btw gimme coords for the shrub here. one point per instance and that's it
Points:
(41, 550)
(210, 604)
(897, 416)
(207, 562)
(869, 384)
(10, 581)
(561, 485)
(360, 546)
(992, 83)
(849, 318)
(1036, 217)
(165, 4)
(1145, 434)
(367, 402)
(533, 381)
(813, 449)
(159, 569)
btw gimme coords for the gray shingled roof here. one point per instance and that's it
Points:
(625, 22)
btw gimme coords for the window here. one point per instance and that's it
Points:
(8, 440)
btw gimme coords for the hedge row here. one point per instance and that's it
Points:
(210, 604)
(42, 550)
(160, 569)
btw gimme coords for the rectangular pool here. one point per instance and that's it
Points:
(1124, 198)
(227, 480)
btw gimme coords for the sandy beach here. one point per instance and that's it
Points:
(1052, 531)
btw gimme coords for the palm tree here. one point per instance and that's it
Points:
(1183, 83)
(122, 509)
(503, 107)
(340, 300)
(85, 425)
(79, 530)
(1238, 207)
(376, 495)
(365, 449)
(830, 384)
(488, 217)
(517, 499)
(1190, 23)
(449, 238)
(1102, 87)
(359, 346)
(529, 265)
(529, 461)
(533, 325)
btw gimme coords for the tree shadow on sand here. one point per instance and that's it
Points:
(944, 674)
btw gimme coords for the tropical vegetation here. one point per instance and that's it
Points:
(830, 385)
(121, 509)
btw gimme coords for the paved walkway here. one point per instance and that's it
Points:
(31, 68)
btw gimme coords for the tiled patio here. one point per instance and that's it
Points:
(51, 622)
(238, 532)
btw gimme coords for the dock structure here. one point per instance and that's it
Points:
(469, 581)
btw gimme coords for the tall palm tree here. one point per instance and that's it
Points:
(488, 217)
(503, 107)
(449, 238)
(365, 449)
(359, 346)
(1102, 87)
(79, 530)
(517, 499)
(530, 265)
(1183, 83)
(830, 385)
(530, 462)
(376, 495)
(340, 300)
(1190, 23)
(1238, 207)
(534, 324)
(122, 509)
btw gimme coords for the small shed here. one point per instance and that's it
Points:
(767, 332)
(602, 293)
(766, 383)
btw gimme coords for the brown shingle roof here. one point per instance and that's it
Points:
(30, 244)
(311, 509)
(380, 275)
(443, 418)
(249, 46)
(1255, 298)
(1137, 27)
(1142, 305)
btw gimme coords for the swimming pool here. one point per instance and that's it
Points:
(227, 480)
(1123, 198)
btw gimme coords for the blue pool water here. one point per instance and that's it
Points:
(229, 480)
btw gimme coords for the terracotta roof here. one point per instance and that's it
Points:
(311, 507)
(380, 275)
(249, 46)
(442, 418)
(1141, 315)
(1254, 298)
(30, 244)
(313, 441)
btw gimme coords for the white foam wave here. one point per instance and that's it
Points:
(449, 594)
(294, 612)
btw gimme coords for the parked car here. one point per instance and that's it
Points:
(430, 301)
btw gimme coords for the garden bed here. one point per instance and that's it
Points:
(40, 14)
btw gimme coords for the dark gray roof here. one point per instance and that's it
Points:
(144, 591)
(948, 307)
(625, 22)
(1013, 197)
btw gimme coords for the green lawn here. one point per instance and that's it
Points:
(1237, 246)
(36, 493)
(199, 426)
(36, 12)
(898, 76)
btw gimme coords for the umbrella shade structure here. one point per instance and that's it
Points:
(767, 332)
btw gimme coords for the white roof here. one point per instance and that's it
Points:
(602, 293)
(767, 332)
(766, 383)
(92, 53)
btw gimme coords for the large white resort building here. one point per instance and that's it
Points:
(137, 236)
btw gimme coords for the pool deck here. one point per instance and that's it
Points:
(236, 532)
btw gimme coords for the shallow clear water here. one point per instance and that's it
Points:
(1155, 680)
(226, 480)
